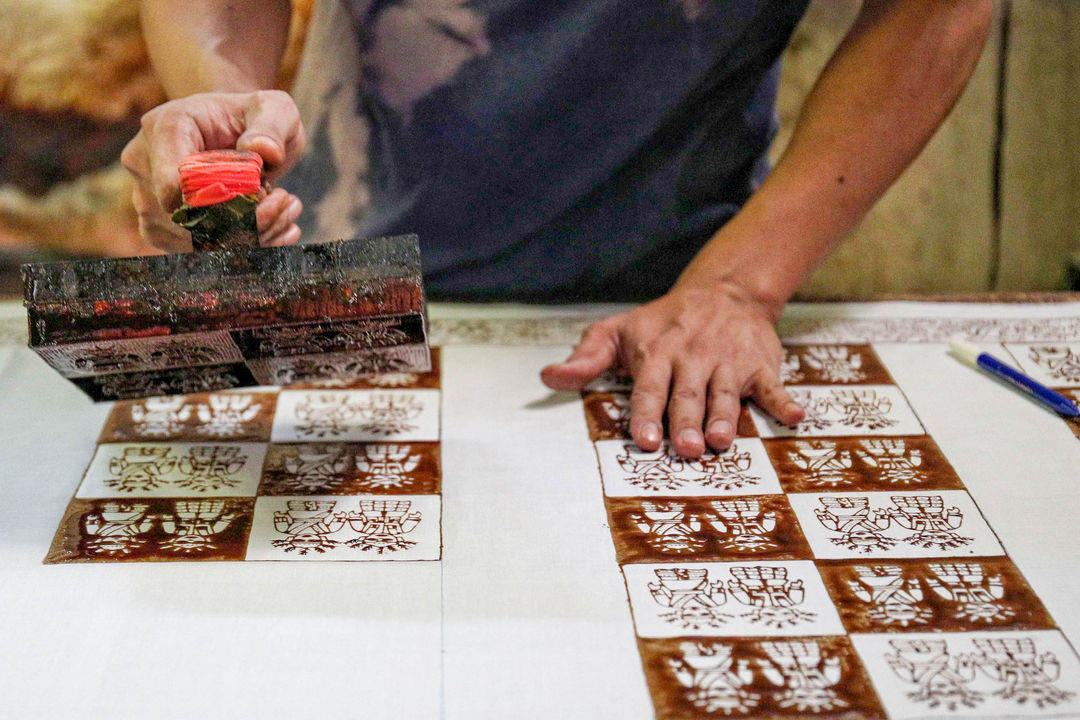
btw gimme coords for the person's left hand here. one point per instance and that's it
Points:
(695, 352)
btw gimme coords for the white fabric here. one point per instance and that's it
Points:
(526, 615)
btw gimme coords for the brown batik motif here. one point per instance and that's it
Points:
(692, 678)
(871, 463)
(761, 527)
(392, 468)
(930, 595)
(608, 417)
(117, 530)
(385, 381)
(832, 365)
(233, 416)
(1074, 395)
(1060, 362)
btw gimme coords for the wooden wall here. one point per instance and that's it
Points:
(993, 202)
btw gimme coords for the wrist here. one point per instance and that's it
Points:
(698, 289)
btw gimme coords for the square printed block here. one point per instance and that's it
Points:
(144, 470)
(743, 599)
(705, 529)
(1052, 364)
(225, 416)
(351, 469)
(940, 594)
(357, 415)
(831, 365)
(866, 463)
(839, 411)
(336, 528)
(942, 523)
(1032, 673)
(628, 471)
(797, 677)
(157, 529)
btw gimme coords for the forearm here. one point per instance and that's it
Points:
(885, 91)
(215, 45)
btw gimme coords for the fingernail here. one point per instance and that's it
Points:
(721, 427)
(690, 437)
(793, 408)
(650, 433)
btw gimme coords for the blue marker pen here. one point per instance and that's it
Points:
(969, 354)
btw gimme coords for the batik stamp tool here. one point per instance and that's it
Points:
(230, 314)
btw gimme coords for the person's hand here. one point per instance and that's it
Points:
(694, 352)
(266, 122)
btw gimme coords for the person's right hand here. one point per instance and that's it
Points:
(266, 122)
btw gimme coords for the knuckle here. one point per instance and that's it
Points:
(150, 118)
(300, 137)
(648, 392)
(591, 333)
(724, 395)
(647, 351)
(133, 157)
(688, 393)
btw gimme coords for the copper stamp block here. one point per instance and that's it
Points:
(702, 529)
(870, 463)
(820, 676)
(987, 593)
(352, 469)
(197, 322)
(128, 529)
(235, 416)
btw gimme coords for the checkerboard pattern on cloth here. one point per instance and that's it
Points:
(332, 473)
(836, 569)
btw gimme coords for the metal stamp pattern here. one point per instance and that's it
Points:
(343, 367)
(175, 381)
(164, 352)
(253, 307)
(329, 337)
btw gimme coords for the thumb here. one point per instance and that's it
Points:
(272, 128)
(598, 351)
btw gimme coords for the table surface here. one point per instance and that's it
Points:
(526, 614)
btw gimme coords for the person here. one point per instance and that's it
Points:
(583, 149)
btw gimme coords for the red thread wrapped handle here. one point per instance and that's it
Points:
(217, 176)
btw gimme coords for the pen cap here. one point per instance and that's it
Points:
(964, 351)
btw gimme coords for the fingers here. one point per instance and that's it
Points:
(276, 218)
(155, 225)
(724, 407)
(597, 351)
(652, 381)
(170, 134)
(774, 399)
(273, 129)
(686, 409)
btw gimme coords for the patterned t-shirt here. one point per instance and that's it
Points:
(566, 148)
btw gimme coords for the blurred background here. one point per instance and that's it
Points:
(990, 205)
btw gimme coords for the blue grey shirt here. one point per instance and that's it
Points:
(565, 149)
